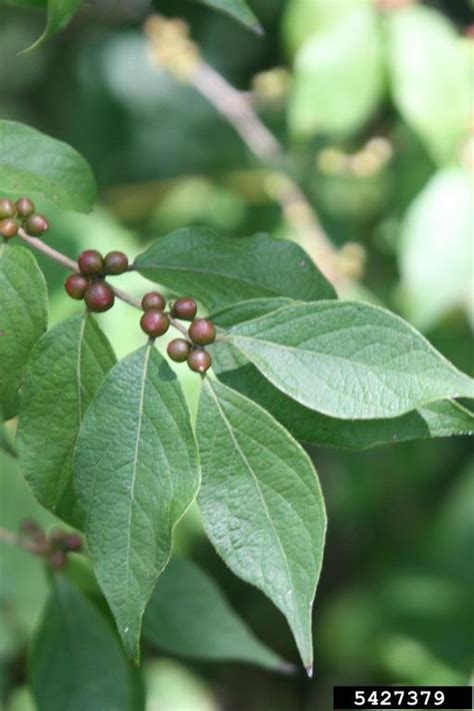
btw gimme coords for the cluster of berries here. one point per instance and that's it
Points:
(155, 322)
(53, 548)
(90, 283)
(21, 213)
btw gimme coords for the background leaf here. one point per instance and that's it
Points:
(430, 78)
(76, 661)
(188, 615)
(439, 419)
(32, 163)
(347, 54)
(220, 271)
(136, 473)
(348, 360)
(239, 10)
(261, 504)
(23, 318)
(439, 223)
(60, 13)
(63, 374)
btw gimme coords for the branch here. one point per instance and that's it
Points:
(70, 264)
(14, 539)
(176, 53)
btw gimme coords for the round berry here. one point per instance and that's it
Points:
(115, 263)
(185, 309)
(91, 263)
(202, 332)
(7, 208)
(199, 361)
(153, 300)
(57, 559)
(36, 224)
(154, 323)
(8, 228)
(99, 297)
(178, 350)
(73, 542)
(76, 286)
(25, 207)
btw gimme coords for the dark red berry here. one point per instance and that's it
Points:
(115, 263)
(154, 323)
(7, 208)
(199, 361)
(178, 350)
(8, 228)
(36, 224)
(73, 542)
(153, 300)
(202, 332)
(185, 309)
(25, 207)
(99, 297)
(76, 285)
(57, 559)
(91, 263)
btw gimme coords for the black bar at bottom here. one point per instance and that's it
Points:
(402, 697)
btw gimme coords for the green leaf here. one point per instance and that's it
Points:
(60, 13)
(189, 616)
(23, 318)
(136, 473)
(76, 661)
(6, 444)
(444, 418)
(220, 271)
(430, 78)
(63, 374)
(338, 76)
(348, 360)
(239, 10)
(439, 224)
(32, 163)
(262, 505)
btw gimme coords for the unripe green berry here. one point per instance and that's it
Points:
(91, 263)
(76, 286)
(7, 208)
(154, 323)
(36, 224)
(115, 263)
(99, 297)
(8, 228)
(25, 207)
(184, 309)
(199, 361)
(202, 332)
(178, 350)
(153, 300)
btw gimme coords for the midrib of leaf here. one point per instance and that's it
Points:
(135, 459)
(257, 486)
(79, 364)
(228, 277)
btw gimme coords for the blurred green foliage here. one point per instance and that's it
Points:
(377, 126)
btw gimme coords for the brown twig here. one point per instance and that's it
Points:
(14, 539)
(70, 264)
